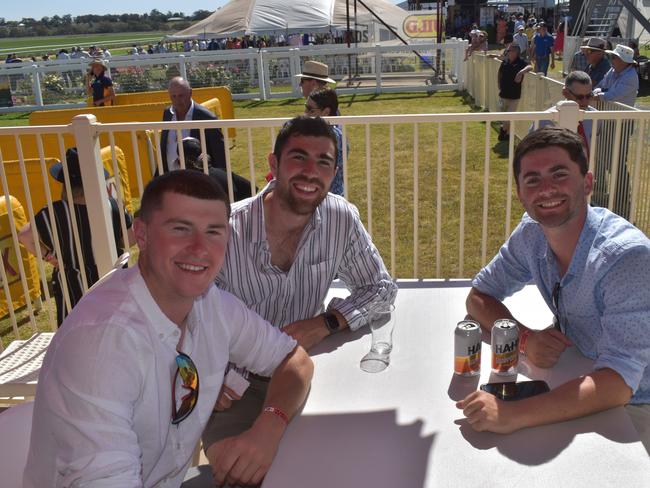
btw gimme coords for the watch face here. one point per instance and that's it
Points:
(331, 322)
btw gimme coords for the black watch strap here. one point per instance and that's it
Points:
(331, 322)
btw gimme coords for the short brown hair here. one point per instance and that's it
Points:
(548, 137)
(184, 182)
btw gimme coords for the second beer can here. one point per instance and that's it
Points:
(467, 348)
(505, 347)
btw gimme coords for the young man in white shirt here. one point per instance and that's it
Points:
(118, 400)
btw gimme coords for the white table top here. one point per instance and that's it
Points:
(400, 427)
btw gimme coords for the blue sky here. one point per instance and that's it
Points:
(46, 8)
(38, 9)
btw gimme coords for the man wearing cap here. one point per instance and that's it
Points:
(68, 261)
(314, 76)
(98, 84)
(621, 82)
(184, 108)
(542, 49)
(598, 65)
(521, 39)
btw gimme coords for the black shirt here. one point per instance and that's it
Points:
(507, 72)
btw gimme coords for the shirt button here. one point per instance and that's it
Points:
(178, 446)
(176, 332)
(161, 336)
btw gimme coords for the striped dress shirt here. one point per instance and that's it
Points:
(333, 245)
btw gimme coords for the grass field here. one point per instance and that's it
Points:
(403, 103)
(52, 44)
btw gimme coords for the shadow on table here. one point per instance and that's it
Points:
(368, 449)
(538, 445)
(335, 341)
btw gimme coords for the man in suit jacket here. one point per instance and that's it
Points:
(184, 108)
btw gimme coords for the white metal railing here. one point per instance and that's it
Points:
(250, 73)
(619, 144)
(435, 205)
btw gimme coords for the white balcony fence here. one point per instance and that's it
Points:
(434, 209)
(250, 73)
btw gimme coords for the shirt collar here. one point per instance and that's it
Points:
(188, 115)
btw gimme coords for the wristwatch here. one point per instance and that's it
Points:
(331, 322)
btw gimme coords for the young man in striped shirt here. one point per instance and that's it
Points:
(287, 245)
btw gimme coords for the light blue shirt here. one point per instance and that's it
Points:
(604, 304)
(620, 87)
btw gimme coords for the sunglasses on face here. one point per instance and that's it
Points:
(309, 109)
(190, 381)
(581, 97)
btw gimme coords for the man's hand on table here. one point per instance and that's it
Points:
(544, 347)
(308, 332)
(246, 458)
(225, 399)
(485, 412)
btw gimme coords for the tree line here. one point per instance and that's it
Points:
(99, 24)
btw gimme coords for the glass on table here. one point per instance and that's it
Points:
(381, 319)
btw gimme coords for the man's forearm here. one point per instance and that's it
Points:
(485, 309)
(290, 383)
(595, 392)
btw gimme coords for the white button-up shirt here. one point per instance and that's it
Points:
(102, 416)
(172, 142)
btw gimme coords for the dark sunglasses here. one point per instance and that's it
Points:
(190, 376)
(581, 97)
(555, 299)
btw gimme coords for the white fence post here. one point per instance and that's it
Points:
(181, 66)
(36, 86)
(94, 183)
(378, 57)
(261, 77)
(568, 114)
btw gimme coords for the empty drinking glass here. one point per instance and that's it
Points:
(381, 318)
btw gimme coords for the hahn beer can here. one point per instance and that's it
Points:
(467, 347)
(505, 347)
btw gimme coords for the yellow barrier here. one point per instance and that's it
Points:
(10, 259)
(199, 95)
(37, 188)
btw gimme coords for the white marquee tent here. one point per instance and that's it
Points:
(240, 17)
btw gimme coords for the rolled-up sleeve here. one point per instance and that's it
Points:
(624, 345)
(255, 344)
(508, 272)
(365, 275)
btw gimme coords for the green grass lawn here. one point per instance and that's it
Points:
(52, 44)
(402, 103)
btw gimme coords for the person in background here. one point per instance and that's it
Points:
(194, 160)
(325, 103)
(510, 76)
(597, 63)
(314, 76)
(69, 261)
(591, 267)
(542, 49)
(521, 40)
(183, 107)
(98, 84)
(577, 88)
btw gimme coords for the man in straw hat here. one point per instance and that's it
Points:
(314, 76)
(98, 84)
(621, 82)
(598, 64)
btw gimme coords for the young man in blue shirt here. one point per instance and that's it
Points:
(542, 49)
(591, 267)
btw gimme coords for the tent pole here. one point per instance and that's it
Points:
(347, 35)
(425, 61)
